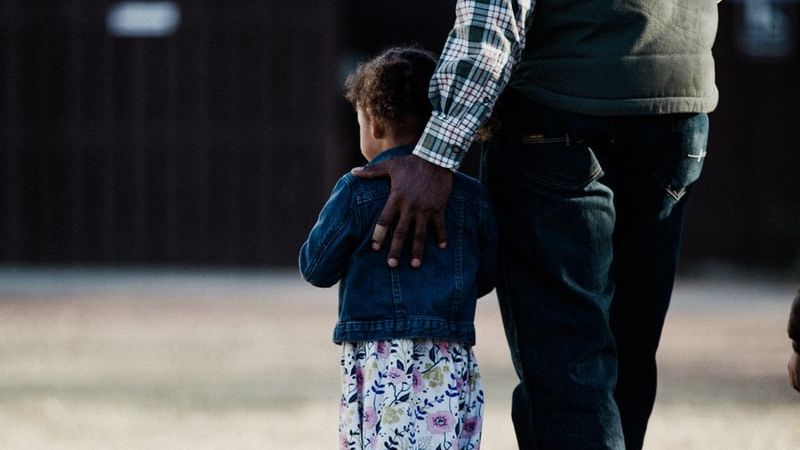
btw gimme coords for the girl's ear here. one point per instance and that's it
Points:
(377, 129)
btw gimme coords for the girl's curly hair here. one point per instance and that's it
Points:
(392, 88)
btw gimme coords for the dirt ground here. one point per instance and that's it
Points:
(101, 359)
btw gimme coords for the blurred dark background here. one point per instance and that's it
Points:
(210, 132)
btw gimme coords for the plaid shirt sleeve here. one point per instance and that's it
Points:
(481, 50)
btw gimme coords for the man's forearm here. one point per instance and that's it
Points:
(481, 50)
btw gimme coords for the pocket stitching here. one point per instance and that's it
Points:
(574, 186)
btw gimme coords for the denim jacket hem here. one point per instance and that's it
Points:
(412, 327)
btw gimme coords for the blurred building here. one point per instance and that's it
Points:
(210, 132)
(746, 209)
(163, 132)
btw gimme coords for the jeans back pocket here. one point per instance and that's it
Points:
(681, 163)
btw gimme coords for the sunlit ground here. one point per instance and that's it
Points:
(213, 360)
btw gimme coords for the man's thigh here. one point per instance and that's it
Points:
(654, 164)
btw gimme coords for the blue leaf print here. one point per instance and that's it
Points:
(401, 393)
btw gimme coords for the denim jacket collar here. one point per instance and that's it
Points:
(402, 150)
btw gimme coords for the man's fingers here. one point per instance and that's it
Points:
(399, 238)
(378, 235)
(383, 223)
(418, 245)
(418, 188)
(440, 228)
(376, 171)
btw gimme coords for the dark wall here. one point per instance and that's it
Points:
(207, 146)
(746, 207)
(218, 144)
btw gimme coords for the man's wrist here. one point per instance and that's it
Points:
(425, 156)
(444, 142)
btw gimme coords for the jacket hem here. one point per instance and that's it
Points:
(620, 107)
(409, 328)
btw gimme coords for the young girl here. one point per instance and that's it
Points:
(409, 375)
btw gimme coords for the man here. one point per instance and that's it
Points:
(794, 335)
(602, 132)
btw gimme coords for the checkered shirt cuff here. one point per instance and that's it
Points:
(446, 140)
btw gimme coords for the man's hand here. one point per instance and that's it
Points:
(419, 195)
(794, 371)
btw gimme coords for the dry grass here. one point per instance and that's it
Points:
(113, 360)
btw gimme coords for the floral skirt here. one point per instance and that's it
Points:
(405, 394)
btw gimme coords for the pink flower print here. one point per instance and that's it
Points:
(344, 443)
(396, 374)
(471, 427)
(369, 418)
(459, 383)
(417, 383)
(444, 348)
(382, 350)
(441, 422)
(359, 378)
(375, 443)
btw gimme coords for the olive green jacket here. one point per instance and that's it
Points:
(620, 57)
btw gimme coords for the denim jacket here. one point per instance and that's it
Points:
(376, 302)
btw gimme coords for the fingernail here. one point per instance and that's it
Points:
(392, 262)
(443, 245)
(416, 263)
(376, 246)
(356, 169)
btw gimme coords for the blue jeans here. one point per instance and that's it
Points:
(590, 211)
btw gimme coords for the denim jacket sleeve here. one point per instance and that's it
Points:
(487, 270)
(325, 254)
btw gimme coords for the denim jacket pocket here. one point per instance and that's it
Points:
(558, 162)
